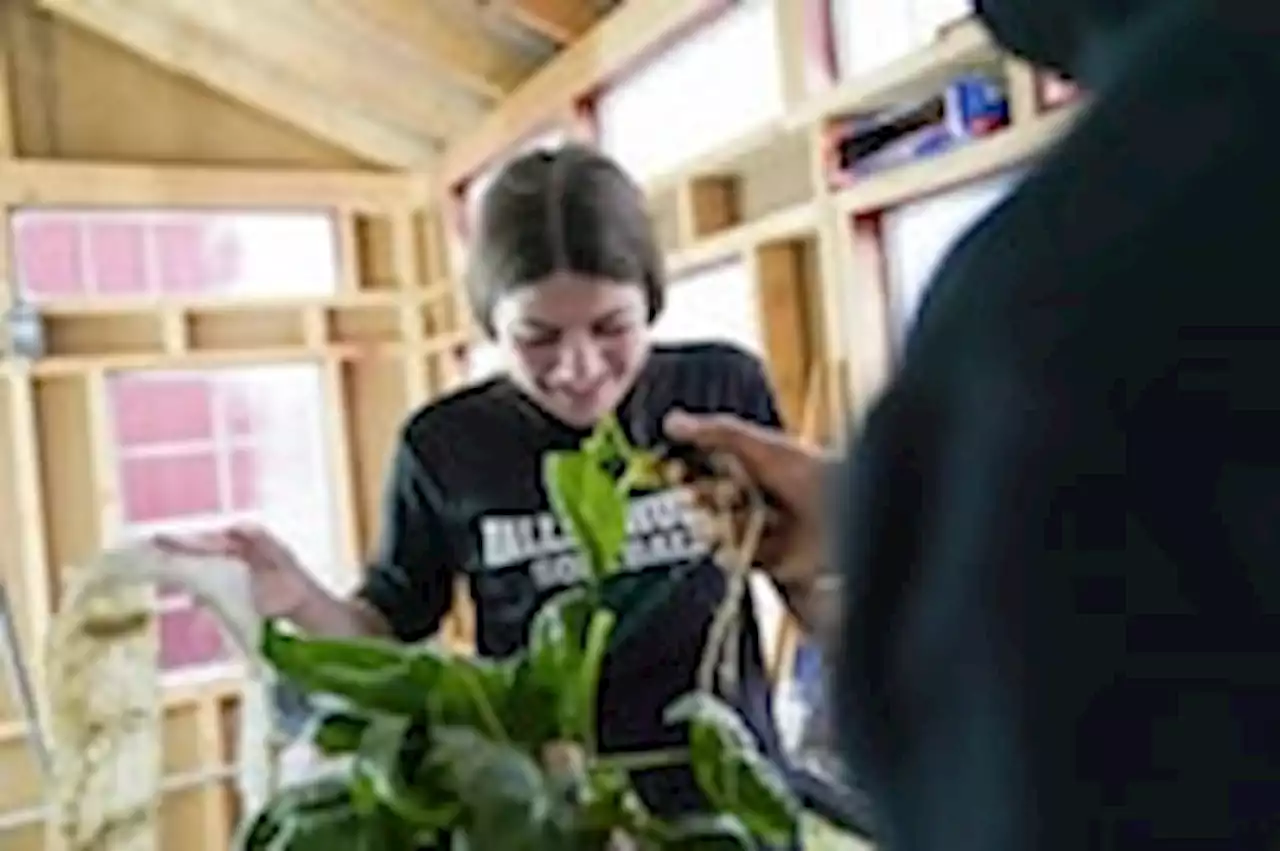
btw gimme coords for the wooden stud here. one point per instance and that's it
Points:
(215, 820)
(338, 438)
(1024, 91)
(33, 568)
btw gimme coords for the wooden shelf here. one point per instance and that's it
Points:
(215, 330)
(974, 160)
(364, 324)
(104, 334)
(963, 48)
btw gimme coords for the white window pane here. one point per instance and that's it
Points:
(718, 303)
(716, 85)
(77, 253)
(918, 237)
(871, 33)
(199, 450)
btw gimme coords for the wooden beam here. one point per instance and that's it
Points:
(561, 21)
(81, 183)
(335, 56)
(466, 53)
(618, 42)
(217, 62)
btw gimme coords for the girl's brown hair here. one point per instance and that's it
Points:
(571, 209)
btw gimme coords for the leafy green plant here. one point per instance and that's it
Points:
(452, 751)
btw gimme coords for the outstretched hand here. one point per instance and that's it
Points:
(785, 470)
(280, 584)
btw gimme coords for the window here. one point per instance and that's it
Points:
(918, 237)
(718, 303)
(716, 85)
(868, 34)
(199, 450)
(144, 253)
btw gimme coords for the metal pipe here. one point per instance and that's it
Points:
(20, 680)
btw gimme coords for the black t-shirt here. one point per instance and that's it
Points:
(466, 497)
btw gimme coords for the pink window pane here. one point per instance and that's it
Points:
(117, 256)
(190, 636)
(152, 411)
(49, 256)
(180, 257)
(167, 487)
(245, 473)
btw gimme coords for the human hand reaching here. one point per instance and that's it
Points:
(787, 472)
(279, 584)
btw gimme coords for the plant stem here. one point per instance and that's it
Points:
(482, 704)
(643, 760)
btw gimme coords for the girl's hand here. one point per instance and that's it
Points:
(280, 585)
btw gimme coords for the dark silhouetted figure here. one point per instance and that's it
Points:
(1061, 525)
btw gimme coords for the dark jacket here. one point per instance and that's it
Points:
(1060, 528)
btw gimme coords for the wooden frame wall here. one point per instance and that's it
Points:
(386, 341)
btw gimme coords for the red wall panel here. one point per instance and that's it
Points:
(190, 637)
(169, 487)
(50, 258)
(117, 257)
(150, 411)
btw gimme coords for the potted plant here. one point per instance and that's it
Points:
(443, 749)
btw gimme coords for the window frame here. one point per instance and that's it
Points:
(147, 223)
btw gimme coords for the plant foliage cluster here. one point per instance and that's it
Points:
(444, 750)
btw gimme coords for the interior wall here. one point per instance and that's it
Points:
(78, 96)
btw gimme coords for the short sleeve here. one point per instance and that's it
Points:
(411, 580)
(755, 400)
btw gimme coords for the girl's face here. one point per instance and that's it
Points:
(574, 344)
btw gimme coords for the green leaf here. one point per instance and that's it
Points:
(471, 692)
(732, 772)
(504, 794)
(588, 680)
(707, 833)
(583, 495)
(531, 716)
(610, 801)
(607, 442)
(372, 674)
(558, 639)
(339, 732)
(319, 815)
(389, 758)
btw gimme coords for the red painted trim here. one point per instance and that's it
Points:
(586, 121)
(456, 215)
(871, 228)
(820, 40)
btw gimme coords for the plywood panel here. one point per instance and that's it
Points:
(376, 403)
(73, 528)
(22, 787)
(80, 96)
(181, 816)
(29, 837)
